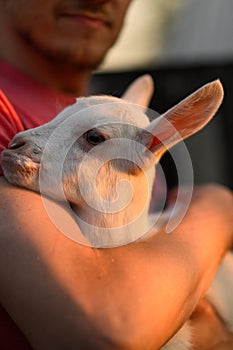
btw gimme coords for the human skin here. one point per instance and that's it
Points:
(223, 346)
(130, 297)
(214, 336)
(62, 294)
(59, 42)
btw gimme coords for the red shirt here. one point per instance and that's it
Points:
(24, 104)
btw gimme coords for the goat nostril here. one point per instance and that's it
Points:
(15, 145)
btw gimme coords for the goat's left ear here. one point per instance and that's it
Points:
(183, 120)
(140, 91)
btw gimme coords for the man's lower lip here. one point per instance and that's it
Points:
(86, 21)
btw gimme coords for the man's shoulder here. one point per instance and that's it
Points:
(10, 123)
(7, 110)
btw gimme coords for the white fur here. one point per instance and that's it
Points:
(22, 162)
(182, 340)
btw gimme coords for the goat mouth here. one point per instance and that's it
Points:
(17, 164)
(12, 156)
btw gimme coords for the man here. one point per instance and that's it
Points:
(62, 295)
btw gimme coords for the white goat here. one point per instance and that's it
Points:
(95, 144)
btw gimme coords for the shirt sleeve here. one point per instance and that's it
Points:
(10, 123)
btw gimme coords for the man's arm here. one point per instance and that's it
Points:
(64, 295)
(208, 330)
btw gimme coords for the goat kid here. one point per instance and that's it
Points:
(100, 142)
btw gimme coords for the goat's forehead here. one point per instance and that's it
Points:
(97, 110)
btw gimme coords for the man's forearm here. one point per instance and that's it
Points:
(128, 298)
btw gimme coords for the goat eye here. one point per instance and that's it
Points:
(94, 137)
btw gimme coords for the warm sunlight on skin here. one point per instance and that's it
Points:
(60, 294)
(82, 282)
(57, 40)
(107, 287)
(208, 329)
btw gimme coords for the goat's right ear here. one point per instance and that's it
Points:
(183, 120)
(140, 91)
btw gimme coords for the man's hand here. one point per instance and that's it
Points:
(209, 331)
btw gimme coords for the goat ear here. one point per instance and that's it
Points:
(140, 91)
(183, 120)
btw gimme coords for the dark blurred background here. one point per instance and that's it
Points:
(183, 44)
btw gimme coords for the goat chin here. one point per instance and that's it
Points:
(65, 138)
